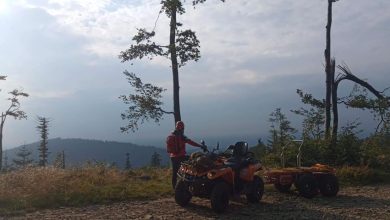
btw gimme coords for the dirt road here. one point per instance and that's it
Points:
(369, 202)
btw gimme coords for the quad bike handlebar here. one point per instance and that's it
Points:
(205, 149)
(228, 153)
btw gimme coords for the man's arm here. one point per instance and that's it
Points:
(191, 142)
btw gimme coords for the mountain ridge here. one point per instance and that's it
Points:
(78, 151)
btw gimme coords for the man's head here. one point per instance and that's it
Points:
(179, 126)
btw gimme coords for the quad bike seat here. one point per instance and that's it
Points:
(238, 153)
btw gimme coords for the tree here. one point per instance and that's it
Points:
(329, 70)
(155, 161)
(14, 111)
(183, 47)
(43, 129)
(145, 104)
(24, 157)
(348, 150)
(281, 130)
(313, 117)
(6, 165)
(331, 98)
(380, 106)
(128, 164)
(59, 161)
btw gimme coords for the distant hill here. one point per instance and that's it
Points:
(79, 151)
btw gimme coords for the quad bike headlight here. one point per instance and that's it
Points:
(211, 174)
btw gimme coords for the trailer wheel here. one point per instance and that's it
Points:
(182, 193)
(329, 185)
(307, 186)
(220, 197)
(257, 190)
(282, 188)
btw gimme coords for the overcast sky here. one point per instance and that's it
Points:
(255, 54)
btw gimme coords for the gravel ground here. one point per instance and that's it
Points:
(367, 202)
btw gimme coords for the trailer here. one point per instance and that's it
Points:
(309, 181)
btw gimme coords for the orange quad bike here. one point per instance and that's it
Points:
(309, 181)
(218, 176)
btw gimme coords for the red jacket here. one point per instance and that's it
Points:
(182, 140)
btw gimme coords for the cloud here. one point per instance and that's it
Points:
(107, 24)
(51, 94)
(254, 55)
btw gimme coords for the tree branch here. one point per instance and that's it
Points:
(348, 75)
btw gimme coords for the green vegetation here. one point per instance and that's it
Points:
(47, 187)
(358, 160)
(349, 149)
(362, 176)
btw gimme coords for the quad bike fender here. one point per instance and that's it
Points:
(226, 172)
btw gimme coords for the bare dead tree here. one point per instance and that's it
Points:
(329, 70)
(14, 111)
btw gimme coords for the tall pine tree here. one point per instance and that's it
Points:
(128, 164)
(155, 160)
(43, 129)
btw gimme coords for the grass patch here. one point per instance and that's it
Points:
(35, 188)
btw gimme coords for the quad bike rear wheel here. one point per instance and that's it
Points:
(256, 190)
(307, 185)
(282, 188)
(329, 185)
(182, 193)
(220, 197)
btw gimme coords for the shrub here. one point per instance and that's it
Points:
(362, 175)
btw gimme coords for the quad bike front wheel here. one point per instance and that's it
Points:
(307, 185)
(182, 193)
(329, 185)
(220, 197)
(256, 190)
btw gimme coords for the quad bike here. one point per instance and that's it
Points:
(308, 180)
(214, 176)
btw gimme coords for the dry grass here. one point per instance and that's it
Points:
(35, 188)
(32, 188)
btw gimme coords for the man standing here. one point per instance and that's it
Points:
(176, 147)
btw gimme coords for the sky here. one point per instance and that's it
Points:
(255, 54)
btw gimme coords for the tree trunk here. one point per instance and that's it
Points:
(334, 105)
(175, 70)
(335, 113)
(328, 70)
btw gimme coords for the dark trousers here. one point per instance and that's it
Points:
(237, 165)
(176, 162)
